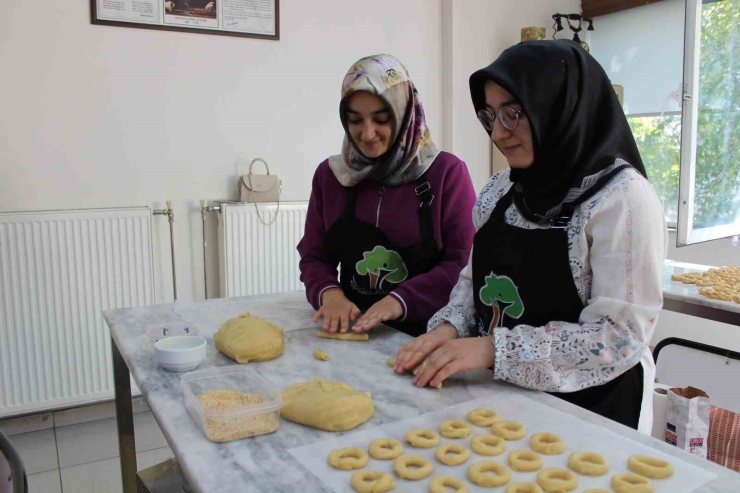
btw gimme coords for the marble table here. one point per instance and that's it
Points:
(685, 298)
(263, 464)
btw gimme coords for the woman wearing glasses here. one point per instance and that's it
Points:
(563, 286)
(392, 211)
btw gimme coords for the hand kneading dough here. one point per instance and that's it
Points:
(330, 406)
(249, 338)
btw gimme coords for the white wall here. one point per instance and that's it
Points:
(475, 33)
(99, 116)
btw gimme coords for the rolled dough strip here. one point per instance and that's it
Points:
(342, 337)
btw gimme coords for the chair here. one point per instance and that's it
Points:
(17, 471)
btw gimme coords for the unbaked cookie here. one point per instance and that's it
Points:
(348, 458)
(523, 488)
(372, 482)
(588, 463)
(422, 438)
(631, 483)
(547, 443)
(422, 467)
(320, 355)
(557, 480)
(489, 474)
(525, 461)
(439, 484)
(453, 428)
(452, 454)
(650, 467)
(509, 430)
(483, 417)
(488, 445)
(386, 449)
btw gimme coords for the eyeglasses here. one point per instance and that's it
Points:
(507, 116)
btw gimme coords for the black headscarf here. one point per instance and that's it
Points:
(578, 127)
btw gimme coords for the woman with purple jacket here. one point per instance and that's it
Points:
(391, 211)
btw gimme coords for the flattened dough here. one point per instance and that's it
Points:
(249, 338)
(329, 406)
(343, 337)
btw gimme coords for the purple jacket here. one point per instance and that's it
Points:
(398, 218)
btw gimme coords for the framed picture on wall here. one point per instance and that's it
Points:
(244, 18)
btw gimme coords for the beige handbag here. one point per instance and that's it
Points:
(260, 189)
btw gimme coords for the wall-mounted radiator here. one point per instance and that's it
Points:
(58, 271)
(257, 259)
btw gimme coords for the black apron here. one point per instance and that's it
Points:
(371, 265)
(523, 276)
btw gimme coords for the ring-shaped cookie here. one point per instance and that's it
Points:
(547, 444)
(422, 438)
(588, 463)
(650, 467)
(454, 429)
(385, 449)
(480, 474)
(488, 445)
(372, 482)
(631, 483)
(452, 454)
(523, 488)
(597, 491)
(525, 461)
(439, 484)
(348, 458)
(556, 480)
(423, 467)
(509, 430)
(483, 417)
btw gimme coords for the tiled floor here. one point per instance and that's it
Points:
(76, 451)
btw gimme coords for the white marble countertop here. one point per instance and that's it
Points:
(689, 293)
(263, 464)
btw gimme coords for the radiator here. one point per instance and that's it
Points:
(257, 259)
(58, 271)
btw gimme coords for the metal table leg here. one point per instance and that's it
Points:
(125, 420)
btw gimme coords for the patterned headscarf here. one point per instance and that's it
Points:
(412, 151)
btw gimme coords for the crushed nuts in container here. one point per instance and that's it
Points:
(231, 403)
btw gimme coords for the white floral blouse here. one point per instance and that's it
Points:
(617, 243)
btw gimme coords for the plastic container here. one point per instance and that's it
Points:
(232, 423)
(159, 332)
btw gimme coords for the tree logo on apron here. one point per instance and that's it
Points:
(501, 292)
(382, 266)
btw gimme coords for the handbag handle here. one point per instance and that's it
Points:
(251, 165)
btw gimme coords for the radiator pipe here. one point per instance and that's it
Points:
(203, 212)
(170, 213)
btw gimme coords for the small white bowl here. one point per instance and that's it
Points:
(180, 353)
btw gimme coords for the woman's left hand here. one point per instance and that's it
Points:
(470, 353)
(386, 309)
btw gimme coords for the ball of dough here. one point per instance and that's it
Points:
(631, 483)
(547, 443)
(454, 429)
(483, 417)
(650, 467)
(422, 438)
(524, 461)
(488, 445)
(422, 467)
(329, 406)
(391, 361)
(557, 480)
(480, 473)
(372, 482)
(249, 338)
(588, 464)
(523, 488)
(509, 430)
(348, 458)
(386, 449)
(439, 484)
(452, 454)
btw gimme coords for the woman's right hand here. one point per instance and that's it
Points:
(411, 354)
(337, 311)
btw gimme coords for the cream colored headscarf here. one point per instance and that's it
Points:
(412, 151)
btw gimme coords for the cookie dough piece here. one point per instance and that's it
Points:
(650, 467)
(525, 461)
(524, 488)
(488, 445)
(588, 463)
(320, 355)
(329, 406)
(422, 468)
(557, 480)
(452, 454)
(386, 449)
(422, 438)
(439, 484)
(480, 474)
(631, 483)
(391, 361)
(597, 491)
(372, 482)
(454, 429)
(343, 337)
(547, 444)
(249, 338)
(509, 430)
(483, 417)
(348, 458)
